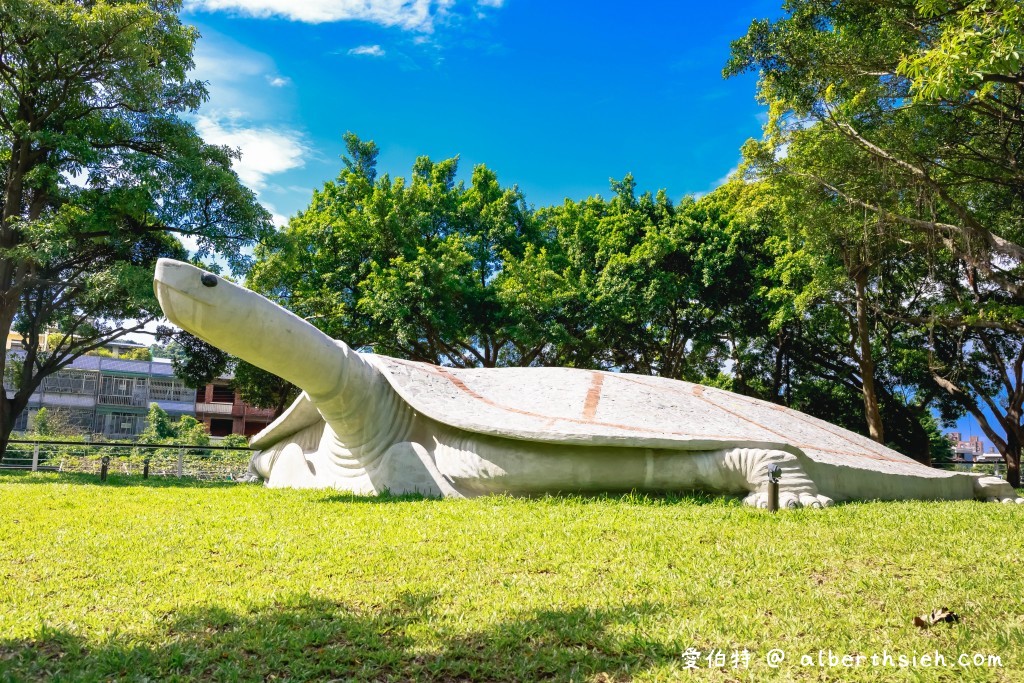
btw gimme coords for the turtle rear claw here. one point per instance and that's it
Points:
(796, 488)
(995, 490)
(788, 501)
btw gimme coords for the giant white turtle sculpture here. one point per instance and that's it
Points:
(367, 423)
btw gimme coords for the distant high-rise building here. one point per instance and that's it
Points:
(967, 450)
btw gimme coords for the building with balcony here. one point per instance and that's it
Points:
(110, 397)
(222, 410)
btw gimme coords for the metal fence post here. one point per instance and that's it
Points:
(145, 468)
(774, 471)
(35, 458)
(181, 462)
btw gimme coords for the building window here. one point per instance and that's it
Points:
(80, 382)
(220, 427)
(76, 420)
(123, 391)
(223, 393)
(169, 390)
(253, 428)
(121, 425)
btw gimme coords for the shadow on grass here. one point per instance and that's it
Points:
(310, 639)
(644, 498)
(380, 498)
(698, 498)
(114, 479)
(119, 480)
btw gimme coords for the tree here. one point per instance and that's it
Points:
(412, 268)
(800, 335)
(191, 431)
(193, 360)
(141, 353)
(158, 426)
(910, 113)
(186, 430)
(640, 284)
(41, 425)
(161, 429)
(924, 131)
(261, 389)
(467, 275)
(138, 354)
(100, 175)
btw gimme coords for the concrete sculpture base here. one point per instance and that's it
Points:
(368, 423)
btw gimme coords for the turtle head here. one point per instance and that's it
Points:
(247, 325)
(188, 297)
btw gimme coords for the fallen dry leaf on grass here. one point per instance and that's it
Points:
(941, 614)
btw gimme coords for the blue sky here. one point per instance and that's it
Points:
(556, 97)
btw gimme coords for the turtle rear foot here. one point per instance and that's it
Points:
(788, 500)
(996, 490)
(796, 488)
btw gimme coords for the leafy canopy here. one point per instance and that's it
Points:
(101, 174)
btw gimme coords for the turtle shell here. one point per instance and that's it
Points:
(589, 407)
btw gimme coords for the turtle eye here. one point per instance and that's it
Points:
(209, 279)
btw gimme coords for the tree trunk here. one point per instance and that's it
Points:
(282, 399)
(780, 350)
(865, 360)
(8, 414)
(1012, 458)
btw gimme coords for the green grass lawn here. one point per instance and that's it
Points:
(151, 580)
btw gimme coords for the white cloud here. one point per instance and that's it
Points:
(491, 3)
(248, 111)
(279, 219)
(244, 111)
(79, 180)
(368, 50)
(191, 242)
(265, 150)
(414, 15)
(215, 62)
(727, 177)
(718, 183)
(238, 78)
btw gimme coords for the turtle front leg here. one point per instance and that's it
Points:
(747, 469)
(996, 490)
(408, 467)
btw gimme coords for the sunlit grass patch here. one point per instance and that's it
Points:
(155, 579)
